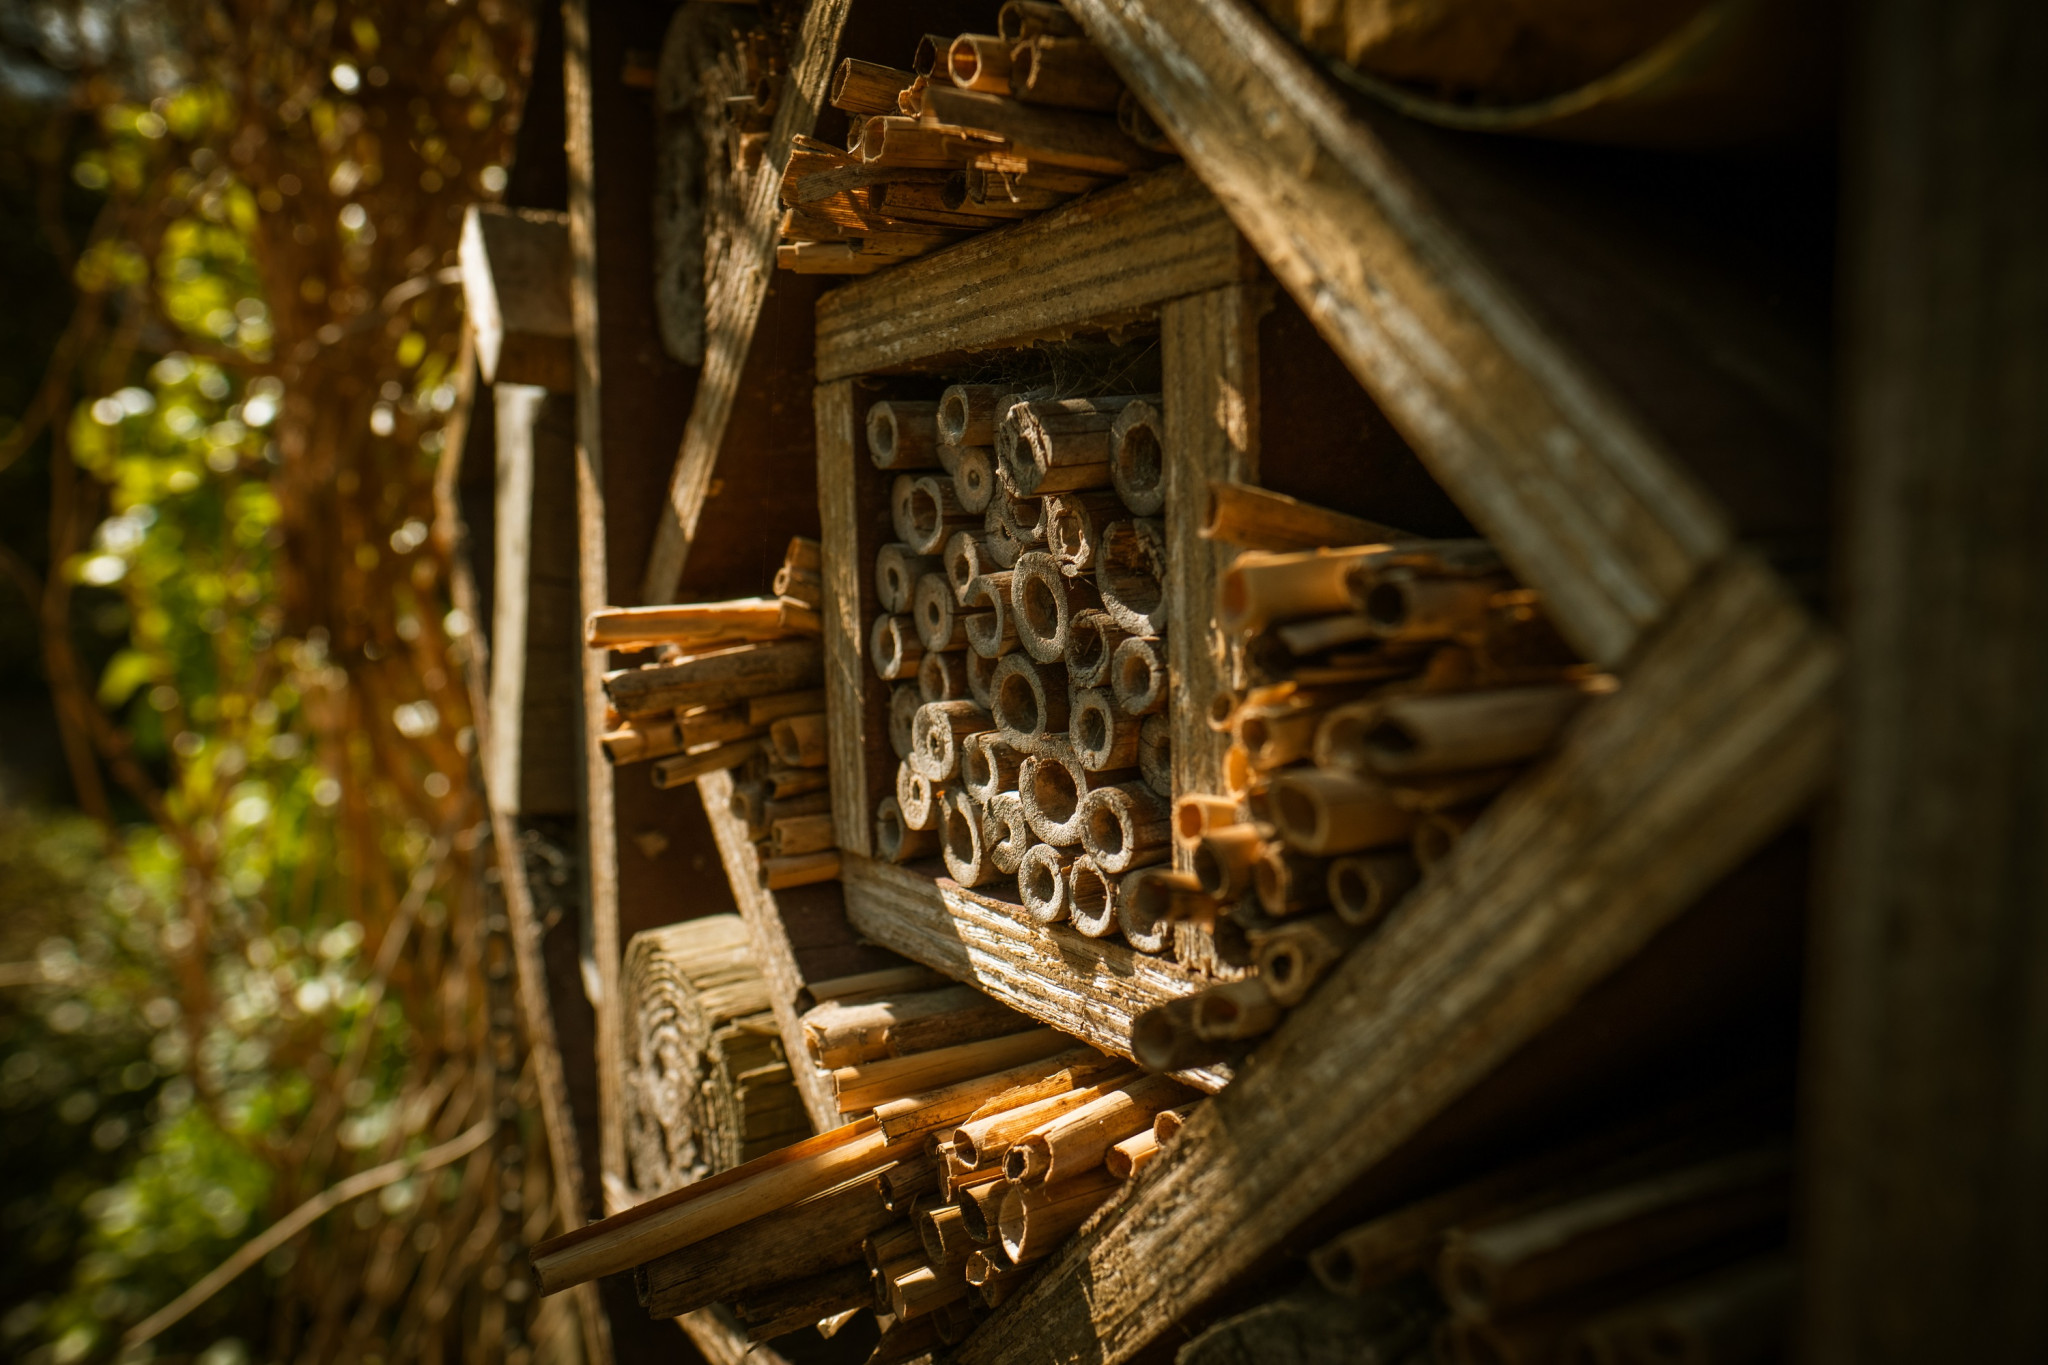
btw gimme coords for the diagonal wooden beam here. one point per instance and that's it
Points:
(1722, 731)
(1581, 499)
(735, 293)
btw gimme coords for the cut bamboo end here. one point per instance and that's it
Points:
(1163, 1038)
(974, 478)
(1196, 814)
(1132, 1155)
(895, 840)
(980, 61)
(965, 842)
(1290, 883)
(1146, 908)
(932, 513)
(1236, 1010)
(941, 677)
(1008, 832)
(939, 736)
(1401, 605)
(1074, 523)
(1292, 957)
(967, 412)
(1340, 741)
(1254, 518)
(1137, 461)
(687, 768)
(1125, 826)
(894, 648)
(981, 1208)
(1052, 784)
(1092, 638)
(804, 869)
(965, 560)
(638, 743)
(1030, 700)
(903, 435)
(1042, 880)
(1363, 887)
(989, 765)
(916, 798)
(1130, 573)
(1168, 1122)
(1328, 813)
(1066, 73)
(1260, 588)
(860, 87)
(991, 624)
(1226, 860)
(1042, 601)
(940, 625)
(1274, 736)
(797, 834)
(1091, 897)
(1139, 677)
(1035, 1219)
(904, 699)
(800, 741)
(1104, 736)
(897, 570)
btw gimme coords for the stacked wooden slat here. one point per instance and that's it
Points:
(982, 130)
(1022, 633)
(736, 685)
(977, 1144)
(706, 1084)
(1393, 688)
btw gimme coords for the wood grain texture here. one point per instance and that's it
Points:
(1578, 495)
(773, 953)
(1210, 349)
(1927, 1214)
(853, 515)
(1088, 988)
(1722, 731)
(736, 287)
(1110, 257)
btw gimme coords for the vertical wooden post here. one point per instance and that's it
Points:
(1927, 1227)
(852, 515)
(1210, 347)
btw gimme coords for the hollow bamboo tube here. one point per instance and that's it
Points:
(1030, 701)
(1226, 860)
(868, 985)
(1236, 1009)
(927, 58)
(897, 569)
(1007, 831)
(1261, 587)
(800, 741)
(1092, 638)
(684, 769)
(801, 834)
(986, 1266)
(1340, 742)
(702, 725)
(1052, 783)
(1274, 736)
(1042, 881)
(891, 140)
(1091, 897)
(974, 479)
(1289, 883)
(1541, 1255)
(794, 587)
(1130, 574)
(940, 625)
(1145, 909)
(1197, 813)
(1044, 603)
(1328, 813)
(686, 1216)
(1132, 1155)
(962, 1174)
(1125, 826)
(1036, 1218)
(749, 804)
(1054, 445)
(802, 869)
(936, 1110)
(1065, 73)
(895, 840)
(1292, 957)
(894, 648)
(903, 435)
(925, 1289)
(981, 675)
(1402, 605)
(1256, 519)
(873, 1083)
(846, 1034)
(720, 676)
(1458, 731)
(904, 699)
(981, 1208)
(967, 412)
(988, 765)
(1071, 1144)
(987, 1139)
(785, 808)
(1074, 523)
(691, 624)
(1167, 1122)
(1437, 831)
(1155, 754)
(774, 1310)
(642, 741)
(804, 1238)
(964, 841)
(1104, 737)
(861, 87)
(941, 677)
(1139, 677)
(965, 560)
(932, 514)
(980, 61)
(1163, 1038)
(1137, 464)
(900, 489)
(916, 799)
(769, 709)
(783, 782)
(939, 736)
(945, 1240)
(991, 625)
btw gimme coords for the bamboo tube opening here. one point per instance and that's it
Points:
(1221, 713)
(981, 1208)
(895, 840)
(988, 766)
(974, 475)
(1137, 463)
(895, 648)
(940, 677)
(967, 413)
(882, 435)
(1225, 858)
(980, 61)
(1342, 740)
(1009, 833)
(1363, 887)
(904, 699)
(965, 848)
(1107, 827)
(1091, 898)
(1144, 909)
(1130, 572)
(1330, 812)
(933, 509)
(964, 562)
(1139, 677)
(914, 796)
(991, 632)
(1054, 790)
(939, 627)
(1092, 725)
(1019, 707)
(1092, 639)
(897, 569)
(1042, 882)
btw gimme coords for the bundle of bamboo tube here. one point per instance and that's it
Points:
(982, 129)
(976, 1144)
(1604, 1253)
(1022, 637)
(1392, 689)
(735, 685)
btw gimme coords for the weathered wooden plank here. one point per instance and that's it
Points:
(515, 288)
(1111, 257)
(772, 951)
(853, 516)
(1088, 987)
(1722, 731)
(1580, 498)
(1210, 348)
(735, 291)
(1927, 1214)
